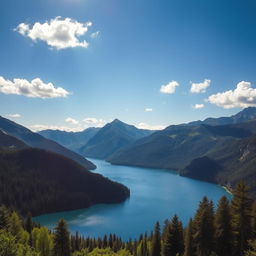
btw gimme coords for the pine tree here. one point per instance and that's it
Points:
(173, 240)
(62, 240)
(156, 241)
(189, 244)
(241, 218)
(204, 228)
(253, 214)
(16, 228)
(223, 228)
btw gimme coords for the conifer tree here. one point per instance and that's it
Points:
(204, 228)
(189, 245)
(253, 215)
(173, 241)
(241, 207)
(223, 228)
(62, 240)
(156, 241)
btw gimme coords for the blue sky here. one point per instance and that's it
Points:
(127, 52)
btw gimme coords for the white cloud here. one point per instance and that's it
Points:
(95, 34)
(169, 88)
(58, 33)
(34, 89)
(92, 121)
(150, 127)
(198, 106)
(200, 87)
(242, 96)
(14, 115)
(148, 109)
(40, 127)
(71, 120)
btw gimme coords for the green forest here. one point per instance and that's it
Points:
(229, 229)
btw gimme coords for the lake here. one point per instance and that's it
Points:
(156, 195)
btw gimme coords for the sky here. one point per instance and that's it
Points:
(71, 64)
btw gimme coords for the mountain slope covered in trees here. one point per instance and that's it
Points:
(111, 138)
(227, 165)
(37, 141)
(38, 181)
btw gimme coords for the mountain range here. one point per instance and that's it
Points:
(37, 141)
(71, 140)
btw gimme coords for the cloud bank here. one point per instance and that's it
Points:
(34, 89)
(14, 115)
(58, 33)
(242, 96)
(169, 88)
(200, 87)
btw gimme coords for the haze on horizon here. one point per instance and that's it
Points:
(72, 64)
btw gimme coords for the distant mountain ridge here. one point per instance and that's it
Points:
(111, 138)
(37, 141)
(71, 140)
(177, 145)
(246, 114)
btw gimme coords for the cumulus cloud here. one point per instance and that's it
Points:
(200, 87)
(150, 127)
(242, 96)
(71, 121)
(92, 121)
(14, 115)
(148, 109)
(169, 88)
(58, 33)
(95, 34)
(34, 89)
(198, 106)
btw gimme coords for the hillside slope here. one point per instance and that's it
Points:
(228, 165)
(39, 181)
(37, 141)
(177, 146)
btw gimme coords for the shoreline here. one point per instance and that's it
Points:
(227, 189)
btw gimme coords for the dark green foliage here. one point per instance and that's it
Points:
(62, 246)
(241, 207)
(223, 228)
(156, 241)
(204, 228)
(37, 181)
(189, 240)
(173, 243)
(4, 218)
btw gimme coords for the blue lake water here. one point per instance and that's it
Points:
(156, 195)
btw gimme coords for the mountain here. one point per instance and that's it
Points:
(41, 182)
(111, 138)
(246, 114)
(177, 145)
(70, 140)
(228, 165)
(8, 142)
(37, 141)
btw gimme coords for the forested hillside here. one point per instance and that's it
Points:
(37, 181)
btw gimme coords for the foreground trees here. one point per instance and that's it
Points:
(230, 230)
